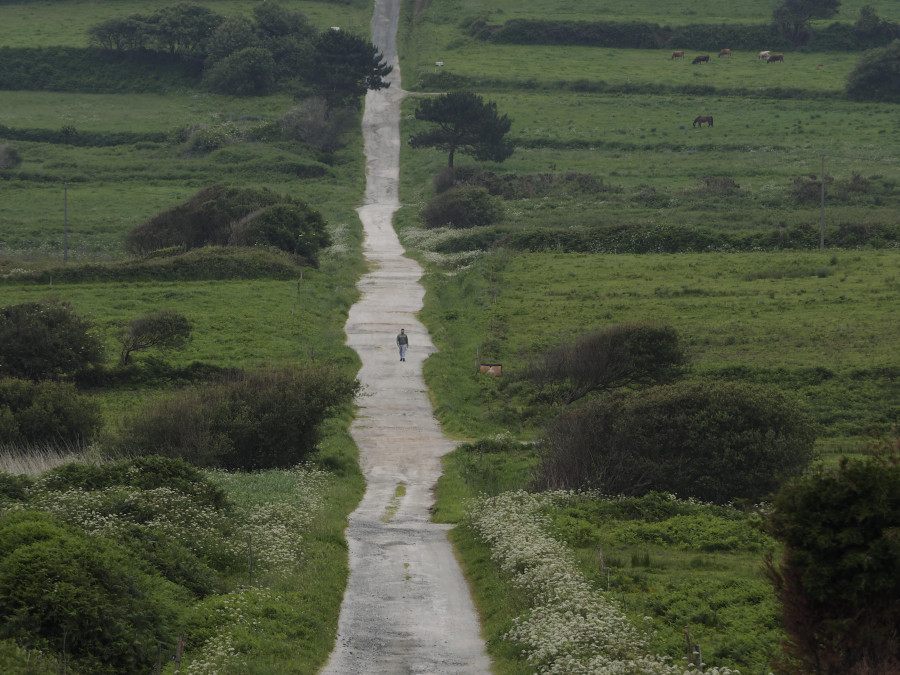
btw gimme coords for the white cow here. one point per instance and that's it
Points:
(763, 55)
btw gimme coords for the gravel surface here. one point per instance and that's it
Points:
(407, 608)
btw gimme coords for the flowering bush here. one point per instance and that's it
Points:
(570, 628)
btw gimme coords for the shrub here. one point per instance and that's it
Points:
(876, 76)
(157, 330)
(259, 420)
(292, 227)
(9, 157)
(46, 339)
(838, 578)
(606, 359)
(247, 72)
(461, 208)
(144, 473)
(46, 413)
(215, 216)
(64, 591)
(311, 122)
(714, 441)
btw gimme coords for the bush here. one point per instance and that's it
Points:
(9, 157)
(714, 441)
(606, 359)
(311, 122)
(83, 596)
(157, 330)
(293, 227)
(144, 473)
(247, 72)
(876, 76)
(838, 578)
(260, 420)
(46, 339)
(46, 413)
(217, 216)
(461, 208)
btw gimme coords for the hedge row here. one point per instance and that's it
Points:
(448, 81)
(709, 37)
(670, 239)
(69, 135)
(96, 71)
(208, 263)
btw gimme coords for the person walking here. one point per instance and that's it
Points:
(402, 343)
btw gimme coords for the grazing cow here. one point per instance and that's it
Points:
(763, 55)
(698, 122)
(724, 52)
(701, 59)
(775, 57)
(677, 55)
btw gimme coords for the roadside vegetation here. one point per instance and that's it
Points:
(615, 211)
(176, 267)
(184, 216)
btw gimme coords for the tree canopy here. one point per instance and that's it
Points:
(876, 76)
(793, 16)
(345, 66)
(464, 122)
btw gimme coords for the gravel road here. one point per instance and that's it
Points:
(407, 608)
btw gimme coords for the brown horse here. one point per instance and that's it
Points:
(701, 59)
(677, 55)
(775, 57)
(700, 120)
(724, 52)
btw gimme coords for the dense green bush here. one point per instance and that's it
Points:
(715, 441)
(248, 72)
(605, 359)
(259, 420)
(460, 208)
(145, 473)
(293, 227)
(46, 414)
(161, 330)
(63, 591)
(46, 339)
(876, 76)
(219, 215)
(838, 579)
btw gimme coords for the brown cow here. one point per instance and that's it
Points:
(775, 57)
(701, 59)
(698, 122)
(724, 52)
(677, 55)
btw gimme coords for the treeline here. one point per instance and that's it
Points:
(868, 32)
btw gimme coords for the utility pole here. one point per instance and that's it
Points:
(822, 221)
(65, 222)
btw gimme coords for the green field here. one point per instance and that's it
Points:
(753, 301)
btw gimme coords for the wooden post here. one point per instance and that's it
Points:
(65, 222)
(822, 222)
(250, 553)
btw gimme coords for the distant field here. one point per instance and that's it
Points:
(537, 65)
(47, 24)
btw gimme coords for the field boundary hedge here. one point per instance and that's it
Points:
(709, 37)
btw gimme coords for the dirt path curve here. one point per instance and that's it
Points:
(407, 607)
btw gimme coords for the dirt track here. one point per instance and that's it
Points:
(407, 608)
